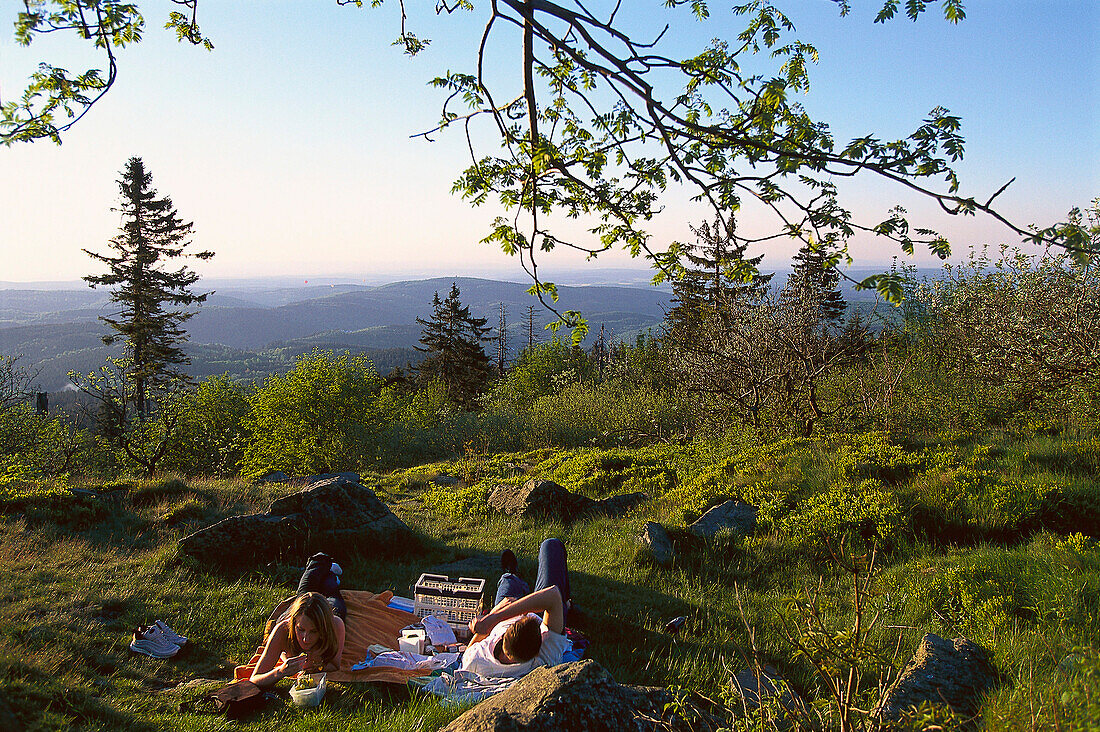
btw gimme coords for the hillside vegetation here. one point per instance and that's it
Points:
(948, 468)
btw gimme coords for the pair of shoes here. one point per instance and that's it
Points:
(150, 640)
(171, 635)
(508, 562)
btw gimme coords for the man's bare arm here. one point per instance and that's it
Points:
(546, 601)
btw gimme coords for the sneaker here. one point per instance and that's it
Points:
(149, 640)
(508, 562)
(169, 634)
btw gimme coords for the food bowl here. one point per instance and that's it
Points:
(308, 690)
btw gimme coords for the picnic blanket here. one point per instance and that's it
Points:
(370, 621)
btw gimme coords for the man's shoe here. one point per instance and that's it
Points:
(170, 635)
(508, 562)
(149, 640)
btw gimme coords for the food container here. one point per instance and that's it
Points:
(308, 696)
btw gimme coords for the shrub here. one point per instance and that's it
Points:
(861, 510)
(322, 416)
(211, 435)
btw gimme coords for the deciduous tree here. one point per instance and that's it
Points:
(598, 124)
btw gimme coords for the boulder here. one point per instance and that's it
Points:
(736, 517)
(333, 515)
(275, 476)
(547, 499)
(620, 505)
(655, 539)
(955, 673)
(539, 498)
(576, 696)
(445, 480)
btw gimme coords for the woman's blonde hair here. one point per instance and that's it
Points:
(314, 607)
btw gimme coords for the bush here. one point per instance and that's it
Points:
(34, 446)
(457, 503)
(210, 437)
(321, 416)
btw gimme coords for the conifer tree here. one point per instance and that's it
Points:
(151, 297)
(452, 339)
(815, 283)
(502, 340)
(714, 280)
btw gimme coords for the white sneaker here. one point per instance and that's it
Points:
(170, 635)
(149, 640)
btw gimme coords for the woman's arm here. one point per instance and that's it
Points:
(546, 601)
(270, 669)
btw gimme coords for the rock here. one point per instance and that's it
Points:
(574, 696)
(620, 505)
(333, 516)
(8, 720)
(547, 499)
(956, 673)
(654, 538)
(736, 517)
(275, 476)
(757, 686)
(445, 480)
(353, 477)
(539, 498)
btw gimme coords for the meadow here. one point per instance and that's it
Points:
(947, 484)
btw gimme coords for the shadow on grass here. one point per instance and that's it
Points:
(44, 701)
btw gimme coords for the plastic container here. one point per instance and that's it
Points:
(455, 601)
(310, 697)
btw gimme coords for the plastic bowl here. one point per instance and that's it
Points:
(310, 697)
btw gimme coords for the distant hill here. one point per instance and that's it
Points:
(250, 332)
(251, 328)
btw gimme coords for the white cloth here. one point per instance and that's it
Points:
(479, 656)
(409, 661)
(462, 687)
(439, 632)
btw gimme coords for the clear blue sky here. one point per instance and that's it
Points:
(289, 146)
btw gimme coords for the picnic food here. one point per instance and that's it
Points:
(305, 682)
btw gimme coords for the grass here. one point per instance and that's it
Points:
(971, 547)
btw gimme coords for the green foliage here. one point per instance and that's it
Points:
(321, 416)
(33, 446)
(602, 473)
(863, 510)
(210, 437)
(457, 503)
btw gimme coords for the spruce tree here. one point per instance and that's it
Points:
(452, 339)
(150, 296)
(714, 279)
(815, 283)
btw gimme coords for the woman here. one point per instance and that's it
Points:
(309, 637)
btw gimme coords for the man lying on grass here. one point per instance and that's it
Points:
(512, 639)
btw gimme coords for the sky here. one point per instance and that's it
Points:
(291, 144)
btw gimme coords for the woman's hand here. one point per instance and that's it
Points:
(291, 666)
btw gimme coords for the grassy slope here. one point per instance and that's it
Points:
(972, 535)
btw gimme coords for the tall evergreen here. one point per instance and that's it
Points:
(502, 340)
(452, 339)
(714, 278)
(151, 297)
(813, 282)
